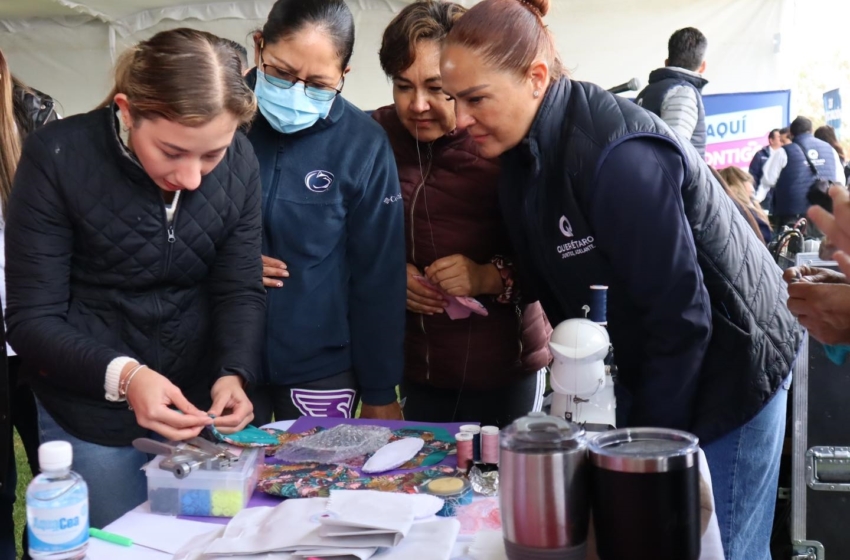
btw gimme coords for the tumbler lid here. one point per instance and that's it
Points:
(644, 450)
(539, 432)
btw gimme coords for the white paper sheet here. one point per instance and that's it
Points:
(159, 532)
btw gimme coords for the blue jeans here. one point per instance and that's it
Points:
(113, 474)
(744, 466)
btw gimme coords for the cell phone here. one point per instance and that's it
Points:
(819, 195)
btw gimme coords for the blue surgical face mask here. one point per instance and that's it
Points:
(288, 110)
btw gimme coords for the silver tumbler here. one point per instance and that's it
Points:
(543, 489)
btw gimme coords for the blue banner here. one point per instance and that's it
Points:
(737, 124)
(832, 110)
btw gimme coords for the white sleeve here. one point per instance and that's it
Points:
(113, 377)
(773, 168)
(680, 110)
(839, 168)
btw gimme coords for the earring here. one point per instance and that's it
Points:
(536, 94)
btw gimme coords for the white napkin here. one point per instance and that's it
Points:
(257, 530)
(194, 550)
(427, 540)
(383, 516)
(351, 524)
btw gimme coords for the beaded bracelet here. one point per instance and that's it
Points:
(125, 384)
(505, 269)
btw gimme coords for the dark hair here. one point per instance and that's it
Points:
(775, 131)
(288, 17)
(785, 131)
(241, 52)
(686, 49)
(509, 34)
(424, 20)
(801, 125)
(827, 134)
(185, 76)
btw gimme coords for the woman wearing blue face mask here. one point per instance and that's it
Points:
(332, 212)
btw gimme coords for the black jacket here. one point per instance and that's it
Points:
(94, 273)
(602, 192)
(32, 108)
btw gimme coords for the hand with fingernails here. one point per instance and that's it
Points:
(273, 271)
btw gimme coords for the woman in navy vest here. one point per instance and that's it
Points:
(333, 241)
(596, 190)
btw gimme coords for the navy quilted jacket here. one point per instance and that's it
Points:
(603, 192)
(91, 274)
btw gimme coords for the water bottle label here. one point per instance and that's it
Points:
(58, 529)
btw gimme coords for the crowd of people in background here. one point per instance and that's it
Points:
(239, 242)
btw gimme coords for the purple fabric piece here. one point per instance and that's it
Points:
(307, 422)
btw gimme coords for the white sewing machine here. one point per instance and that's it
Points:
(583, 386)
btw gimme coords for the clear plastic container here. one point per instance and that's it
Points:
(57, 507)
(205, 493)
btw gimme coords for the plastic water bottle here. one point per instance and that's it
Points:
(57, 506)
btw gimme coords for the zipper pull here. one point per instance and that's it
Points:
(171, 238)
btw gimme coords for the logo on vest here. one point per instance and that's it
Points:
(319, 181)
(575, 247)
(565, 227)
(813, 155)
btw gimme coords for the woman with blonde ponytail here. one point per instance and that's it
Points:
(134, 271)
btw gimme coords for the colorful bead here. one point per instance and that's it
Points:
(195, 502)
(164, 500)
(226, 503)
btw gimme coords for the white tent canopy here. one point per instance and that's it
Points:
(66, 48)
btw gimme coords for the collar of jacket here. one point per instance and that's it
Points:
(32, 108)
(547, 126)
(674, 73)
(400, 136)
(127, 161)
(333, 117)
(797, 139)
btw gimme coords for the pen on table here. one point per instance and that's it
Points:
(110, 537)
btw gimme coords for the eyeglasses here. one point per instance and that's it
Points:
(284, 80)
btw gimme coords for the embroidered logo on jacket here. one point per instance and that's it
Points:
(573, 247)
(319, 181)
(566, 227)
(323, 404)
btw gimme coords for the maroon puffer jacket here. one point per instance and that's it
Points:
(451, 207)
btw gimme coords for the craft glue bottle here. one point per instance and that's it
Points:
(57, 506)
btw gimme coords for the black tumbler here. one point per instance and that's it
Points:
(645, 494)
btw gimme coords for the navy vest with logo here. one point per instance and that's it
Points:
(545, 192)
(661, 81)
(789, 198)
